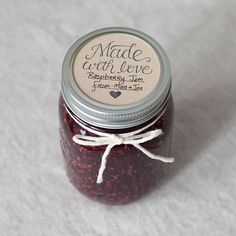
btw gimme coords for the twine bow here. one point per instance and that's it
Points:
(111, 140)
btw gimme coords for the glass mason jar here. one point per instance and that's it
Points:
(116, 114)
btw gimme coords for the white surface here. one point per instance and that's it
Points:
(198, 198)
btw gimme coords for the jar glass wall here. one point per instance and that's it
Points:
(129, 173)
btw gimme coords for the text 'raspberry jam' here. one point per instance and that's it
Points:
(116, 114)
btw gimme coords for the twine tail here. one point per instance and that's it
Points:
(103, 163)
(153, 156)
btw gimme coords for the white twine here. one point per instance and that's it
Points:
(133, 138)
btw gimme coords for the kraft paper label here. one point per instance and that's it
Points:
(116, 69)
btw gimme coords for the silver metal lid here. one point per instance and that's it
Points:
(115, 116)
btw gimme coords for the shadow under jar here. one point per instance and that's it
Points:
(116, 114)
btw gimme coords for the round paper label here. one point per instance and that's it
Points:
(116, 68)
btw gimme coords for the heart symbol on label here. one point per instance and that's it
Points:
(115, 94)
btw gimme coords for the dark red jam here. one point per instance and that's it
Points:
(129, 173)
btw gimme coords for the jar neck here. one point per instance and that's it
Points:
(124, 130)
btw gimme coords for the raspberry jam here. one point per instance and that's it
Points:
(116, 115)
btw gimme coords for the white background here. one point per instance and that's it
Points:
(197, 198)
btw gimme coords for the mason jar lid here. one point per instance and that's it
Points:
(116, 78)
